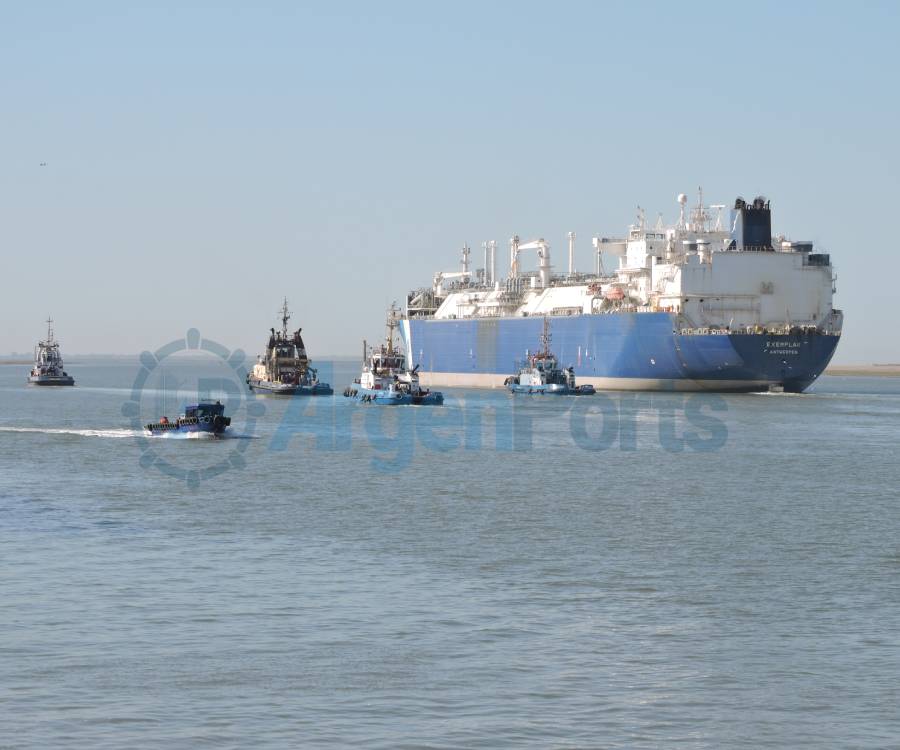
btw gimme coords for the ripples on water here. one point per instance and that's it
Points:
(551, 597)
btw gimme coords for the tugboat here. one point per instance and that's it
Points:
(204, 417)
(284, 369)
(540, 373)
(48, 362)
(386, 379)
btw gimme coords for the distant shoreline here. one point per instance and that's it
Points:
(129, 358)
(888, 370)
(875, 370)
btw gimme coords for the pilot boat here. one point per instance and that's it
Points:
(204, 417)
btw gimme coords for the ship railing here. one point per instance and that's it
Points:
(702, 331)
(752, 329)
(567, 311)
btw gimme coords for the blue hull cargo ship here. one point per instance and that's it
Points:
(701, 305)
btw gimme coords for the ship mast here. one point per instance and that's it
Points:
(49, 330)
(545, 337)
(391, 324)
(285, 317)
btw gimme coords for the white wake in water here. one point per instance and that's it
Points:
(83, 433)
(100, 433)
(184, 436)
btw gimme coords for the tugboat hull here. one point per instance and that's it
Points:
(289, 389)
(396, 398)
(552, 389)
(51, 380)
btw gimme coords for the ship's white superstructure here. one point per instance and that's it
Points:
(701, 268)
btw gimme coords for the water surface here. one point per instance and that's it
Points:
(453, 584)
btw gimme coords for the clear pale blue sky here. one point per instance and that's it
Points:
(203, 160)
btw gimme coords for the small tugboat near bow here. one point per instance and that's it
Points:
(284, 369)
(540, 373)
(202, 418)
(386, 377)
(48, 362)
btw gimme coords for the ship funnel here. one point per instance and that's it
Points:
(752, 224)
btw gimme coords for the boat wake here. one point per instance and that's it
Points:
(125, 433)
(196, 436)
(82, 433)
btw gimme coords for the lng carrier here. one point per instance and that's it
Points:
(713, 302)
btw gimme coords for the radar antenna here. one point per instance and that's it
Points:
(699, 216)
(682, 200)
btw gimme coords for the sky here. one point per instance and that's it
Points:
(204, 160)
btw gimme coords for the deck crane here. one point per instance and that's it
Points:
(442, 276)
(543, 251)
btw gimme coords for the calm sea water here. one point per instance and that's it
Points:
(650, 572)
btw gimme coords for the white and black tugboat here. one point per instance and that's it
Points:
(284, 369)
(387, 379)
(540, 373)
(48, 362)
